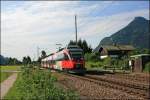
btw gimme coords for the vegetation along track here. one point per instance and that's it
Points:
(128, 88)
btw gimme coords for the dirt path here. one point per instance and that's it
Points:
(7, 84)
(13, 71)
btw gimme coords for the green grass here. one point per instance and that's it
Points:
(4, 75)
(14, 68)
(38, 85)
(147, 68)
(91, 64)
(13, 91)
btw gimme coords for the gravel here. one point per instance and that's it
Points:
(89, 90)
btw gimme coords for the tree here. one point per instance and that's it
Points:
(90, 49)
(10, 61)
(28, 60)
(83, 45)
(43, 55)
(80, 43)
(39, 60)
(72, 42)
(24, 61)
(2, 60)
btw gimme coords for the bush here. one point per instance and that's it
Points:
(91, 57)
(147, 67)
(107, 61)
(38, 85)
(92, 61)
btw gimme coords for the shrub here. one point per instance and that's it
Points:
(91, 57)
(107, 61)
(38, 85)
(147, 67)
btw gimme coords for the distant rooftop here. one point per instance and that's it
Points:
(140, 55)
(114, 47)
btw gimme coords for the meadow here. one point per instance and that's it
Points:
(33, 83)
(4, 75)
(10, 67)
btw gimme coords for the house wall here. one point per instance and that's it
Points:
(137, 66)
(145, 59)
(104, 56)
(139, 63)
(104, 52)
(116, 53)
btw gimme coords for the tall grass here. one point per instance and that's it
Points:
(92, 61)
(38, 85)
(4, 75)
(10, 67)
(147, 67)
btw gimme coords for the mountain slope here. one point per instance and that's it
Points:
(136, 33)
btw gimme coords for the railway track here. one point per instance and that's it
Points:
(138, 91)
(131, 77)
(120, 82)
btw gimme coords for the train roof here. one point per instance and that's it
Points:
(72, 46)
(68, 47)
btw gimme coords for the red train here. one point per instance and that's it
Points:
(69, 59)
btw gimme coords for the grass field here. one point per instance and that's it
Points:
(90, 65)
(10, 68)
(4, 75)
(147, 69)
(35, 84)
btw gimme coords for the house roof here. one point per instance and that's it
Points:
(113, 47)
(140, 55)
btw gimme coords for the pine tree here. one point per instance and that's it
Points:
(43, 55)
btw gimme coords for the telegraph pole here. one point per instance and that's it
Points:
(76, 27)
(38, 52)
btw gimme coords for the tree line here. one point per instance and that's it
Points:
(27, 60)
(9, 61)
(83, 45)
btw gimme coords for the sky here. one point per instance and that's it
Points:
(28, 25)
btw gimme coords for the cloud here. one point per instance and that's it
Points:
(106, 26)
(35, 24)
(45, 23)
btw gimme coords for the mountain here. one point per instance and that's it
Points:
(2, 60)
(136, 33)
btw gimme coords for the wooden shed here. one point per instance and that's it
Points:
(139, 61)
(113, 50)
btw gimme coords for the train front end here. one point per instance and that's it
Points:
(77, 59)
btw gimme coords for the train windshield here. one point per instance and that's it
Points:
(76, 55)
(75, 52)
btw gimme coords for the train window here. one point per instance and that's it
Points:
(76, 55)
(60, 57)
(66, 57)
